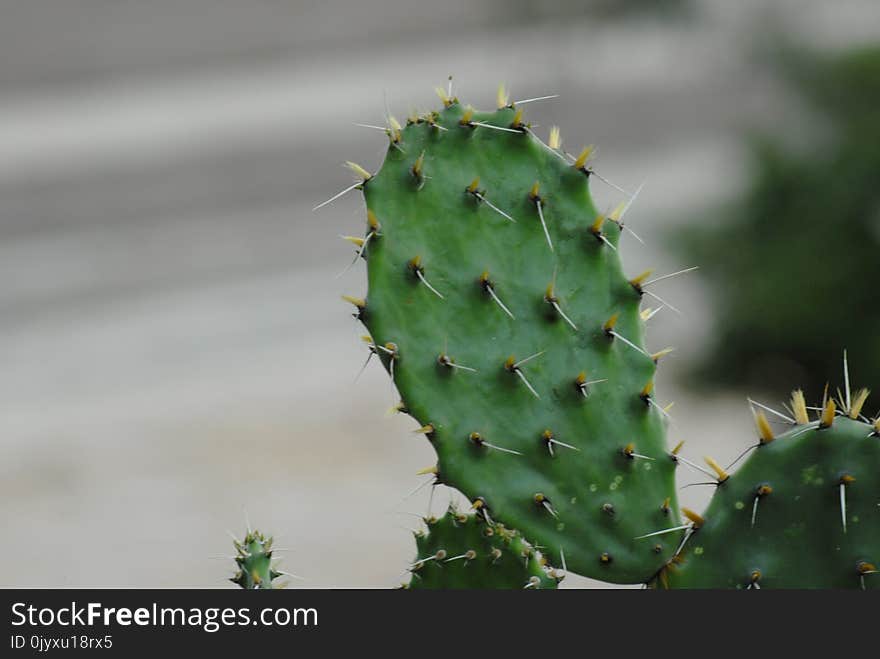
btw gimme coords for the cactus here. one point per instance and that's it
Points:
(498, 304)
(803, 511)
(461, 550)
(254, 561)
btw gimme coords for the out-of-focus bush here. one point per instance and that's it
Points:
(794, 264)
(523, 11)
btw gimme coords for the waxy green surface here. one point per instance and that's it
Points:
(462, 551)
(601, 499)
(798, 538)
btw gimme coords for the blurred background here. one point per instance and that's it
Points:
(175, 360)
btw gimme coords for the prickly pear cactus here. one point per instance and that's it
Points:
(460, 550)
(498, 304)
(803, 511)
(254, 561)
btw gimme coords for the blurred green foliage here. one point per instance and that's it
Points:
(524, 11)
(794, 264)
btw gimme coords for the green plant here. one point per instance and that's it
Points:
(498, 305)
(801, 512)
(461, 550)
(254, 562)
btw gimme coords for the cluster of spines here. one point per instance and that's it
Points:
(254, 561)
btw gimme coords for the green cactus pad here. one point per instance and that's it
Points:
(254, 561)
(462, 551)
(791, 487)
(464, 286)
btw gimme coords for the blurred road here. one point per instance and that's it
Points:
(173, 352)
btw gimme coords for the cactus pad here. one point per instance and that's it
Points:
(803, 511)
(498, 303)
(462, 551)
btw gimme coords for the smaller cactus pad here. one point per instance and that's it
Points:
(803, 511)
(254, 561)
(462, 551)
